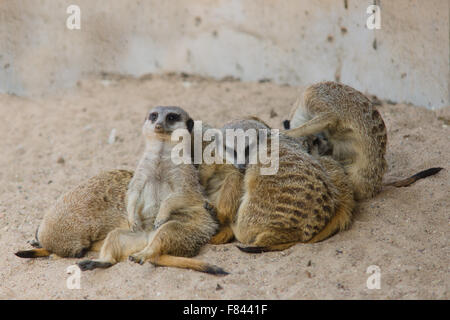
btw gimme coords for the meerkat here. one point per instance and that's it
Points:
(307, 200)
(353, 131)
(169, 214)
(80, 219)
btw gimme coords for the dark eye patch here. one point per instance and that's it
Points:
(173, 117)
(153, 116)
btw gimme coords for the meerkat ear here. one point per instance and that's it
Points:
(286, 124)
(190, 124)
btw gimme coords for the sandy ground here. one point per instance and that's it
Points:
(404, 231)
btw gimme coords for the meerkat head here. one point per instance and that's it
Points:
(162, 121)
(247, 132)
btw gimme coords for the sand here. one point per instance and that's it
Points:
(51, 143)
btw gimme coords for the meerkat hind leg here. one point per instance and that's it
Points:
(154, 253)
(340, 221)
(173, 203)
(225, 235)
(117, 246)
(154, 244)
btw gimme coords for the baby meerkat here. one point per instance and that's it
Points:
(81, 218)
(307, 200)
(166, 204)
(352, 129)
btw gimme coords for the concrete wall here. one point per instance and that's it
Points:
(289, 41)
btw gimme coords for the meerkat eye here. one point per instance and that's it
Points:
(172, 117)
(153, 116)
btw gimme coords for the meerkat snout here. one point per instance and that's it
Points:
(159, 128)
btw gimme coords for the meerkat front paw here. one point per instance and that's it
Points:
(159, 222)
(136, 226)
(135, 223)
(138, 258)
(34, 244)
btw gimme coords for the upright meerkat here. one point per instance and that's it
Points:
(355, 130)
(307, 200)
(81, 218)
(167, 209)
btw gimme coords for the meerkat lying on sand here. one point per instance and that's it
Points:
(81, 218)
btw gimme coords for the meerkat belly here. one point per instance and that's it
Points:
(150, 204)
(153, 195)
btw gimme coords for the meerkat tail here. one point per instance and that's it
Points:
(225, 235)
(187, 263)
(33, 253)
(275, 247)
(409, 181)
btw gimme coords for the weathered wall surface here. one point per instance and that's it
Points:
(291, 41)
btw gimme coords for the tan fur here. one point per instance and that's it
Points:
(223, 184)
(167, 208)
(308, 200)
(120, 243)
(352, 125)
(81, 218)
(344, 209)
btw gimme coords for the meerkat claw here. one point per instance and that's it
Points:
(159, 223)
(34, 243)
(136, 260)
(136, 227)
